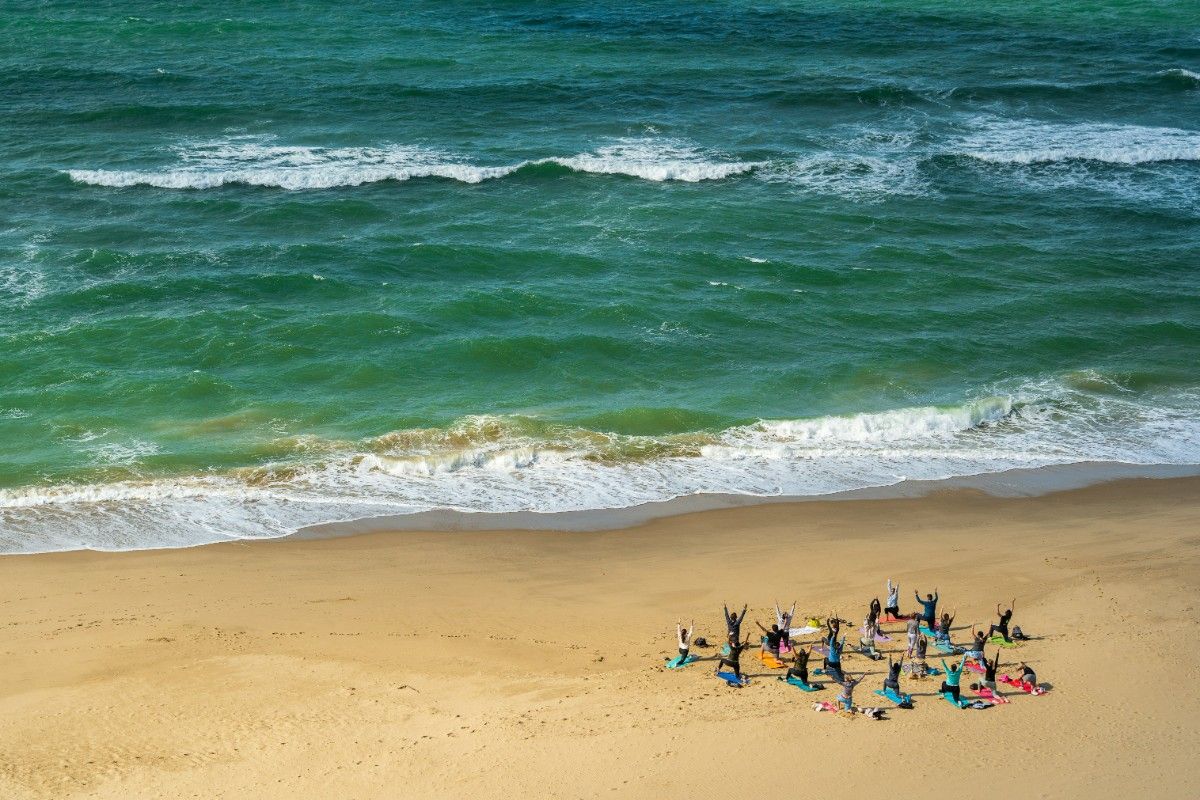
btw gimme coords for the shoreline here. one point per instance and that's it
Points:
(1032, 482)
(1025, 482)
(349, 666)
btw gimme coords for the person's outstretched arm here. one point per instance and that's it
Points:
(743, 616)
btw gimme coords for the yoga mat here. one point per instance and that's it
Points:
(895, 698)
(678, 662)
(732, 680)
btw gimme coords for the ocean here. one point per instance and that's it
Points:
(267, 265)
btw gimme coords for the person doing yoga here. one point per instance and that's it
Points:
(1028, 675)
(772, 639)
(892, 681)
(833, 658)
(800, 668)
(684, 635)
(873, 612)
(1001, 627)
(733, 624)
(784, 621)
(928, 606)
(989, 671)
(893, 600)
(919, 667)
(846, 698)
(914, 632)
(942, 634)
(953, 677)
(733, 659)
(975, 649)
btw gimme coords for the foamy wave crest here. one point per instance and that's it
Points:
(892, 426)
(505, 464)
(655, 160)
(255, 163)
(1180, 72)
(1015, 142)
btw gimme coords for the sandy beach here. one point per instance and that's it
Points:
(529, 663)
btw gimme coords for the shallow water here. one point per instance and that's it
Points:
(266, 267)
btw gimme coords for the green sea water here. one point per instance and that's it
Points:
(270, 264)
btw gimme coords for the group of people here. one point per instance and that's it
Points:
(921, 628)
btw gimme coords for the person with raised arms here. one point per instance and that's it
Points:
(989, 671)
(799, 668)
(784, 621)
(833, 658)
(1002, 626)
(873, 613)
(772, 639)
(892, 681)
(975, 649)
(942, 634)
(953, 678)
(684, 637)
(893, 600)
(846, 698)
(733, 624)
(929, 607)
(733, 659)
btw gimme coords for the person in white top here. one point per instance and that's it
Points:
(684, 635)
(784, 621)
(893, 603)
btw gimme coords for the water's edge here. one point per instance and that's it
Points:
(1033, 482)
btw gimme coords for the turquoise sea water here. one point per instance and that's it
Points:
(269, 264)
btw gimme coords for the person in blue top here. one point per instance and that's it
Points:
(833, 658)
(929, 614)
(953, 677)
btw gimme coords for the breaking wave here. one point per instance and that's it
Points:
(252, 162)
(502, 464)
(1026, 142)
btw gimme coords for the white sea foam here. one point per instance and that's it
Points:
(655, 159)
(1183, 73)
(254, 162)
(510, 464)
(1028, 142)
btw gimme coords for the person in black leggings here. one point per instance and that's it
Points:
(989, 671)
(1002, 626)
(892, 681)
(873, 612)
(800, 668)
(774, 637)
(733, 659)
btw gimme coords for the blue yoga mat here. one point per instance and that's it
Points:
(895, 698)
(794, 681)
(957, 703)
(679, 661)
(731, 679)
